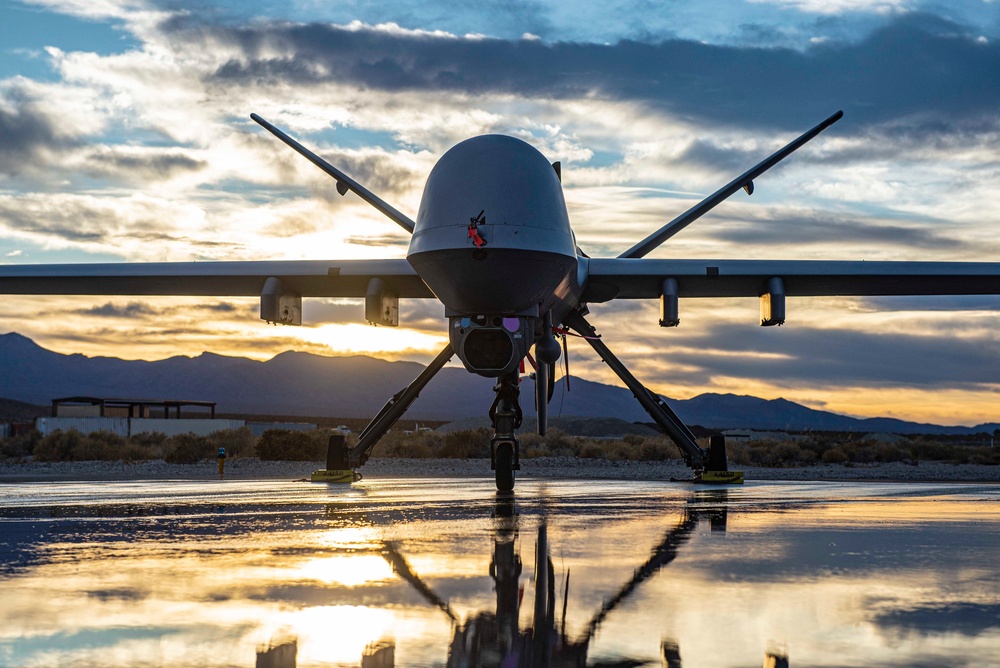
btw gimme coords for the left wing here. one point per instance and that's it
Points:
(309, 278)
(280, 285)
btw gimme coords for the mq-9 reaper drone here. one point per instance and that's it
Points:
(493, 242)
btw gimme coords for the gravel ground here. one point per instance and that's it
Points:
(543, 467)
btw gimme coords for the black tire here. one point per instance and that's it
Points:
(505, 467)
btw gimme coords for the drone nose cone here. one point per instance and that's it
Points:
(494, 182)
(492, 234)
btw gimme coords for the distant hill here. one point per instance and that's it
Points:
(304, 384)
(11, 410)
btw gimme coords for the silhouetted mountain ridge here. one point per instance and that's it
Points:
(298, 383)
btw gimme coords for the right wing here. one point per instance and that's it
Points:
(626, 278)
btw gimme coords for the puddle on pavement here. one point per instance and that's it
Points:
(446, 572)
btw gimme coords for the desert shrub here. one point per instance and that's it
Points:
(293, 446)
(555, 443)
(188, 449)
(556, 440)
(814, 445)
(419, 449)
(416, 445)
(58, 445)
(888, 452)
(633, 439)
(961, 455)
(787, 453)
(591, 450)
(237, 442)
(835, 456)
(807, 457)
(147, 445)
(985, 456)
(134, 452)
(739, 452)
(658, 449)
(619, 451)
(102, 446)
(932, 451)
(533, 445)
(20, 446)
(768, 452)
(466, 444)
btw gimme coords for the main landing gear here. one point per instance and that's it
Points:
(505, 414)
(708, 466)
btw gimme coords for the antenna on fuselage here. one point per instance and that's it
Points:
(344, 182)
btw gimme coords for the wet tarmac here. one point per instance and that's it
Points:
(437, 572)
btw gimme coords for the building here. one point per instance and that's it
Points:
(128, 417)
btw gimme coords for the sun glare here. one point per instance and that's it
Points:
(367, 340)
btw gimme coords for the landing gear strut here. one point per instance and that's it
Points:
(710, 466)
(393, 410)
(505, 413)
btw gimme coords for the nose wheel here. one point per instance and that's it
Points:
(506, 416)
(503, 463)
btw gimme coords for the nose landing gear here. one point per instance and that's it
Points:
(505, 414)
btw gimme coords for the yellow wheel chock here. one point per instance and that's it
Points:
(346, 476)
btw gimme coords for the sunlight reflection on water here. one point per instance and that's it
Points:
(444, 573)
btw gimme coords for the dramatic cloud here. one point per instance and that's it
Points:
(27, 136)
(916, 64)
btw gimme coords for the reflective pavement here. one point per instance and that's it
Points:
(435, 572)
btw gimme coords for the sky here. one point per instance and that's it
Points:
(125, 136)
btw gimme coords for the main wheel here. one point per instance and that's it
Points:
(505, 466)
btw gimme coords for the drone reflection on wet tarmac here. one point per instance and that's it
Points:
(436, 572)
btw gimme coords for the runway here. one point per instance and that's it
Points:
(435, 572)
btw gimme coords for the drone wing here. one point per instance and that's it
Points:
(280, 285)
(638, 279)
(771, 280)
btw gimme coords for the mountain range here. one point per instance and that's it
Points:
(295, 383)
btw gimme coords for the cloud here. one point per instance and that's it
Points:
(27, 136)
(92, 222)
(144, 310)
(808, 356)
(379, 241)
(964, 618)
(111, 310)
(785, 227)
(949, 303)
(914, 64)
(139, 166)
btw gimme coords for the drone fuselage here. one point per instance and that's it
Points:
(493, 242)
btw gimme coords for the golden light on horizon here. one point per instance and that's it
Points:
(384, 342)
(159, 328)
